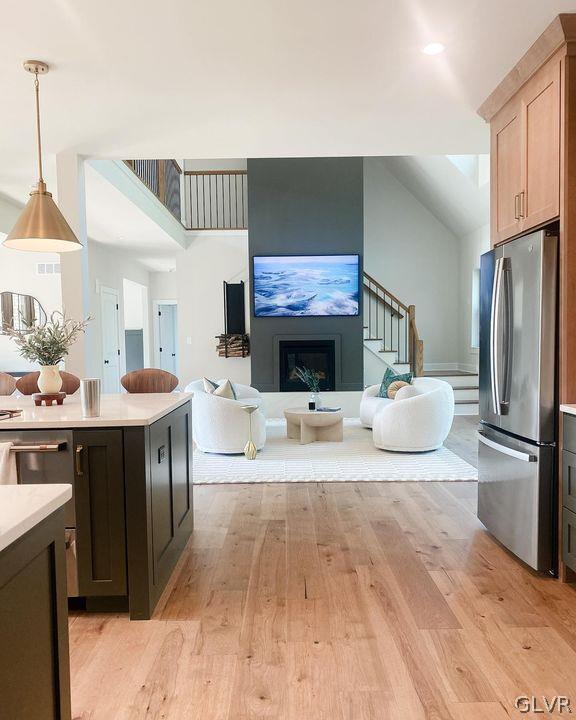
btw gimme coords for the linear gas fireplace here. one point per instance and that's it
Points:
(314, 354)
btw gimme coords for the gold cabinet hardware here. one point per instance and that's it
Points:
(78, 456)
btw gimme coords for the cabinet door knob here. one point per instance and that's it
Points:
(516, 208)
(78, 457)
(522, 211)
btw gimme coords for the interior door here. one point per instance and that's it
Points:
(506, 172)
(110, 340)
(540, 200)
(167, 337)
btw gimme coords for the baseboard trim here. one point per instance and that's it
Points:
(468, 367)
(440, 366)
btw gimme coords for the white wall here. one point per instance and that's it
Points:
(109, 267)
(163, 286)
(471, 247)
(135, 310)
(18, 274)
(200, 272)
(409, 251)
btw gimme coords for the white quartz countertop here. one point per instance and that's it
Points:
(118, 410)
(570, 409)
(24, 506)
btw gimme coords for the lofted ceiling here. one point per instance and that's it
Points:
(113, 219)
(461, 202)
(261, 78)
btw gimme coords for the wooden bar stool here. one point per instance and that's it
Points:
(7, 383)
(28, 384)
(149, 380)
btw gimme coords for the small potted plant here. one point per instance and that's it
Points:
(48, 345)
(310, 378)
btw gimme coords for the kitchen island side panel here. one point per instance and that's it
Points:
(159, 517)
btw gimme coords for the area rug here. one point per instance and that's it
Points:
(354, 460)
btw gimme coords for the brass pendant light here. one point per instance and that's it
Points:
(41, 227)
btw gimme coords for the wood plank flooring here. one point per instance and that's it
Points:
(334, 601)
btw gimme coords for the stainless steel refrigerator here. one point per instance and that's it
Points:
(518, 406)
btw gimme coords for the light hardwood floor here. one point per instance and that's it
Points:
(334, 602)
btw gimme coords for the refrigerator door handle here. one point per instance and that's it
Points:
(508, 334)
(495, 336)
(526, 457)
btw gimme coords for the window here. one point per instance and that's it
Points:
(475, 304)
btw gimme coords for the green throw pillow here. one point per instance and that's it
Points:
(389, 377)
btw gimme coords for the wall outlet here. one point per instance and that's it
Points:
(188, 340)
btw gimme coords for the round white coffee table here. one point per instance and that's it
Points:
(311, 425)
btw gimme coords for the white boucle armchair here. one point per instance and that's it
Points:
(418, 419)
(220, 425)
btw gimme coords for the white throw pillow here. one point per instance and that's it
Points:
(225, 390)
(209, 385)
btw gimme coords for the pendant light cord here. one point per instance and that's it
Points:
(39, 140)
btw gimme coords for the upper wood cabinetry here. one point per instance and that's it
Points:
(525, 146)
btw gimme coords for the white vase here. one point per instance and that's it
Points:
(49, 381)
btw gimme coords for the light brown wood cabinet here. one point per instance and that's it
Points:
(525, 145)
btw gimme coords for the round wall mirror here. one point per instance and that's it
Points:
(20, 312)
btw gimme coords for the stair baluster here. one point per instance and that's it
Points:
(392, 323)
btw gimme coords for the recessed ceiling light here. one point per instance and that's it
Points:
(433, 48)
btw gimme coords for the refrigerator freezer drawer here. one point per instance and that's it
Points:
(515, 496)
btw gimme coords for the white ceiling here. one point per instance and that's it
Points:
(260, 78)
(113, 219)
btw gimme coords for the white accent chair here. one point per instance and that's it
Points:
(417, 420)
(220, 425)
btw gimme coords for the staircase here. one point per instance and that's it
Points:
(391, 339)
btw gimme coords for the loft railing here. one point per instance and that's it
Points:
(163, 178)
(216, 199)
(393, 323)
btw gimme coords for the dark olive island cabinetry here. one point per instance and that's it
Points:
(34, 659)
(131, 470)
(568, 492)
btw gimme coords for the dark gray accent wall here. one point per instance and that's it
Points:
(305, 206)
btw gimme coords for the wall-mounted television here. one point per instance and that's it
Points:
(306, 285)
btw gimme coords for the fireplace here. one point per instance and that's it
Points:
(318, 355)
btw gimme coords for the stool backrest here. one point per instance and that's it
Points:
(149, 380)
(7, 383)
(28, 384)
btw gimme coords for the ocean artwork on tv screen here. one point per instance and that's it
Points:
(306, 285)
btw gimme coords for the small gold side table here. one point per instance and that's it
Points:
(250, 450)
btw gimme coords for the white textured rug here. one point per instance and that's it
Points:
(355, 459)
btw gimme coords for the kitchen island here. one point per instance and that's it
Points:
(131, 514)
(34, 659)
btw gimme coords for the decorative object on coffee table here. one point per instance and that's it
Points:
(48, 345)
(250, 450)
(48, 398)
(310, 378)
(311, 426)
